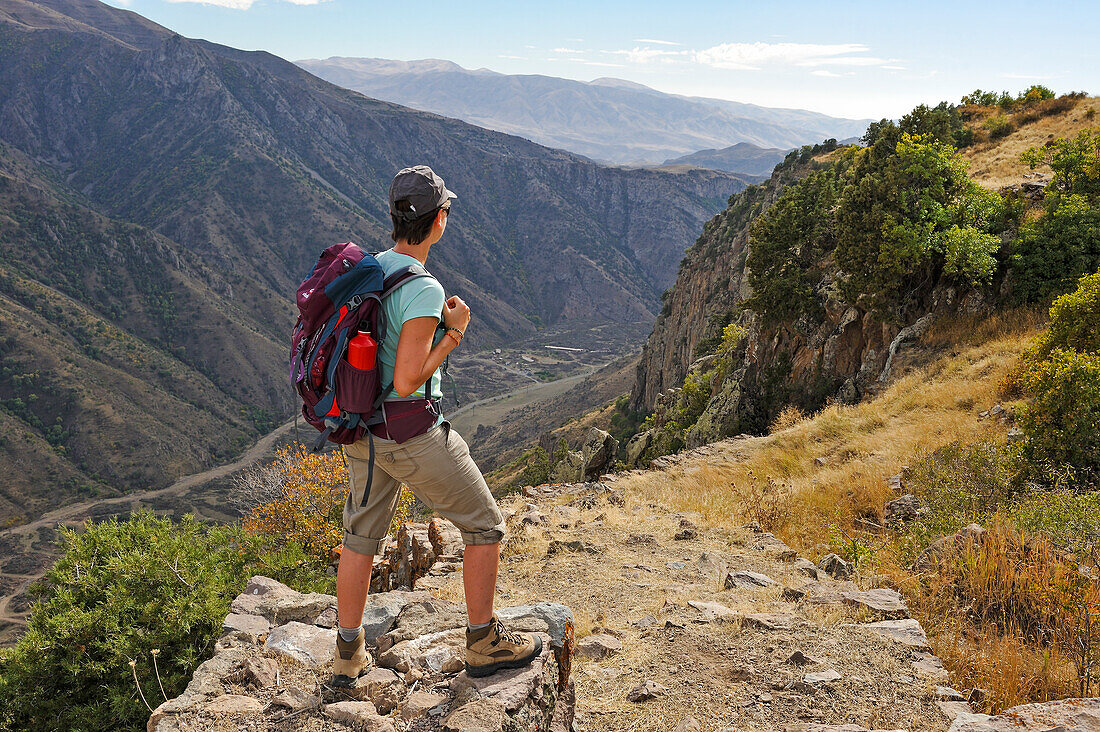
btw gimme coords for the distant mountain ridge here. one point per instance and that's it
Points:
(607, 119)
(161, 197)
(744, 157)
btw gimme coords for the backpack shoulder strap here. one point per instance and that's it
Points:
(407, 273)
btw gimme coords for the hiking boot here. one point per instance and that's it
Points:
(494, 648)
(351, 660)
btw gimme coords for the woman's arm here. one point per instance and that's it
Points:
(416, 358)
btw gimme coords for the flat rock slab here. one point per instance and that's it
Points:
(928, 666)
(1066, 715)
(884, 602)
(835, 728)
(234, 704)
(419, 703)
(713, 611)
(421, 618)
(479, 715)
(358, 715)
(907, 632)
(244, 623)
(512, 688)
(278, 603)
(307, 644)
(552, 618)
(771, 621)
(746, 580)
(598, 647)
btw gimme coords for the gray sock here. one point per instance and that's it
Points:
(348, 634)
(479, 626)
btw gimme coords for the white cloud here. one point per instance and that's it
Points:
(567, 50)
(896, 68)
(241, 4)
(824, 72)
(659, 43)
(639, 55)
(754, 56)
(598, 63)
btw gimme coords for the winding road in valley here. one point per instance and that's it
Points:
(75, 513)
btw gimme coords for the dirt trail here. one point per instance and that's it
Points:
(74, 514)
(776, 645)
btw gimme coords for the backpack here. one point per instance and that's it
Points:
(342, 295)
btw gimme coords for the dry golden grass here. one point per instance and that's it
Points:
(777, 481)
(997, 163)
(996, 616)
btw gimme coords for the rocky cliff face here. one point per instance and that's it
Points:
(844, 353)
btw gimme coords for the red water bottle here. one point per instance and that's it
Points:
(362, 350)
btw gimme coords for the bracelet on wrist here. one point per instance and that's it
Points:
(456, 338)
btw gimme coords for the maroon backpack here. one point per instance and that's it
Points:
(342, 295)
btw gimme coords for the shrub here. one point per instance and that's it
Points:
(1060, 422)
(1075, 163)
(999, 126)
(908, 213)
(140, 590)
(1053, 251)
(1074, 320)
(305, 502)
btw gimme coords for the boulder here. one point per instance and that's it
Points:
(528, 695)
(965, 539)
(597, 453)
(260, 671)
(637, 446)
(835, 567)
(254, 625)
(382, 687)
(307, 644)
(901, 509)
(439, 652)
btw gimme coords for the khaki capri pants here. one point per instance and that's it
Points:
(436, 466)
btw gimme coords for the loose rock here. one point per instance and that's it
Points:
(645, 691)
(598, 647)
(835, 567)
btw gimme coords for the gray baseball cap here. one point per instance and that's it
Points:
(422, 188)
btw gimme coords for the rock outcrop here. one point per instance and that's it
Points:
(845, 352)
(272, 665)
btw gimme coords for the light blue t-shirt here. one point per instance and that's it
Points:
(419, 298)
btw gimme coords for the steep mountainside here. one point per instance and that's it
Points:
(606, 119)
(166, 195)
(744, 158)
(844, 291)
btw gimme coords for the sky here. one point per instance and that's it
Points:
(847, 59)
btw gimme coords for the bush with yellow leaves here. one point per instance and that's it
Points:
(299, 497)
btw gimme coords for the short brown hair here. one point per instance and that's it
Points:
(414, 231)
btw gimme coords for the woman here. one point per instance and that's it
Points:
(435, 465)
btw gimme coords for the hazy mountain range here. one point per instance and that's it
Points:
(744, 158)
(161, 197)
(609, 120)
